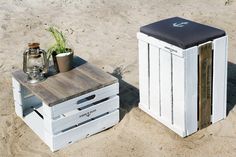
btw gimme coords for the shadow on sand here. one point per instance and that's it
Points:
(129, 95)
(231, 87)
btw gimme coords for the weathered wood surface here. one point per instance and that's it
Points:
(63, 86)
(205, 85)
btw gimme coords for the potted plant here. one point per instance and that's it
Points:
(62, 55)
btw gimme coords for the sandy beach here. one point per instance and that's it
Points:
(103, 32)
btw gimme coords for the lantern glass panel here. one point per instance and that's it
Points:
(35, 62)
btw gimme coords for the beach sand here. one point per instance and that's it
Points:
(103, 32)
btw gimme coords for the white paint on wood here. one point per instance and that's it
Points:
(18, 109)
(226, 78)
(16, 85)
(85, 130)
(154, 80)
(180, 131)
(178, 92)
(22, 102)
(166, 85)
(76, 124)
(56, 142)
(35, 123)
(72, 104)
(77, 117)
(219, 79)
(17, 96)
(178, 103)
(30, 101)
(161, 44)
(191, 88)
(144, 73)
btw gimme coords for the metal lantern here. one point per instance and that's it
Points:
(35, 63)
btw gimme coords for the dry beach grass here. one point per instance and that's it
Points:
(104, 33)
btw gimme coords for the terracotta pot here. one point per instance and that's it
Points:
(63, 62)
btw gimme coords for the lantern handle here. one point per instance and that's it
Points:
(46, 64)
(25, 60)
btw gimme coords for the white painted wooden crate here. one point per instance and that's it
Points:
(168, 82)
(69, 121)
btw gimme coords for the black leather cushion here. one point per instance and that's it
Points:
(181, 32)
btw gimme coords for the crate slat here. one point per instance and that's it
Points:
(18, 109)
(180, 131)
(35, 123)
(144, 73)
(65, 86)
(16, 85)
(191, 88)
(72, 104)
(205, 85)
(155, 80)
(55, 126)
(84, 130)
(178, 92)
(219, 79)
(161, 44)
(17, 96)
(166, 85)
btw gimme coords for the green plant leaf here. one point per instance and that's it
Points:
(60, 42)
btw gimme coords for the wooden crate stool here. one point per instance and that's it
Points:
(183, 74)
(68, 106)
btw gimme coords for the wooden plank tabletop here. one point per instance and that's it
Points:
(64, 86)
